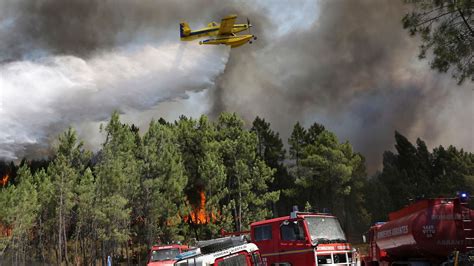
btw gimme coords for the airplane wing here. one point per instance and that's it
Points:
(227, 24)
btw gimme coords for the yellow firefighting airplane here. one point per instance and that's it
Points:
(223, 33)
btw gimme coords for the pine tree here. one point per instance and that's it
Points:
(69, 162)
(22, 210)
(117, 183)
(413, 172)
(356, 218)
(270, 149)
(330, 167)
(447, 29)
(87, 218)
(63, 178)
(297, 142)
(200, 151)
(45, 225)
(163, 184)
(247, 175)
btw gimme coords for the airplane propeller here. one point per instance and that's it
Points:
(248, 27)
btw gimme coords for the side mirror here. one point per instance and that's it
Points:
(364, 239)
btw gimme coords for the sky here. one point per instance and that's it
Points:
(346, 64)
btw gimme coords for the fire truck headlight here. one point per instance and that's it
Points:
(324, 259)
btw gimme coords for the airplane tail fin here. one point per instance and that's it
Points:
(184, 29)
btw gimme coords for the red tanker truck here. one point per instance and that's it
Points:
(427, 232)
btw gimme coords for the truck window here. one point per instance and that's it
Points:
(292, 231)
(263, 232)
(234, 261)
(324, 229)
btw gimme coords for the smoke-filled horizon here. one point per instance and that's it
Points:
(346, 64)
(356, 71)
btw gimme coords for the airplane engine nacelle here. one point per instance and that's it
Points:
(184, 29)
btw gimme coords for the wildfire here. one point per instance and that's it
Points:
(4, 180)
(5, 230)
(198, 214)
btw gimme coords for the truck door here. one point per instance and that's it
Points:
(264, 238)
(294, 246)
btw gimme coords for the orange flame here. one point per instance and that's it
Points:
(5, 230)
(4, 180)
(199, 215)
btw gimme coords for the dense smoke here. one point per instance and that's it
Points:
(66, 62)
(355, 70)
(347, 64)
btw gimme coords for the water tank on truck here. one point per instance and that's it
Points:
(428, 231)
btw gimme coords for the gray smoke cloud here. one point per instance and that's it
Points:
(355, 70)
(69, 62)
(83, 27)
(346, 64)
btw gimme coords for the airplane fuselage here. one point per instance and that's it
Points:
(212, 31)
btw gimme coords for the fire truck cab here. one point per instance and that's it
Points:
(165, 255)
(302, 239)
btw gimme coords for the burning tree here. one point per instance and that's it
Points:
(202, 217)
(19, 213)
(199, 214)
(4, 180)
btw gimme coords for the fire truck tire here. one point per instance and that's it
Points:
(217, 246)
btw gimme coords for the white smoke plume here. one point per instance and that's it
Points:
(43, 96)
(73, 62)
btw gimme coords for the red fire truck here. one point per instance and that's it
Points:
(165, 255)
(302, 239)
(424, 233)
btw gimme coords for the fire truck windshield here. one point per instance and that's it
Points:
(164, 254)
(325, 230)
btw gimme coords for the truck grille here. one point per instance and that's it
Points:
(335, 258)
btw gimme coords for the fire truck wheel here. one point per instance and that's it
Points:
(217, 246)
